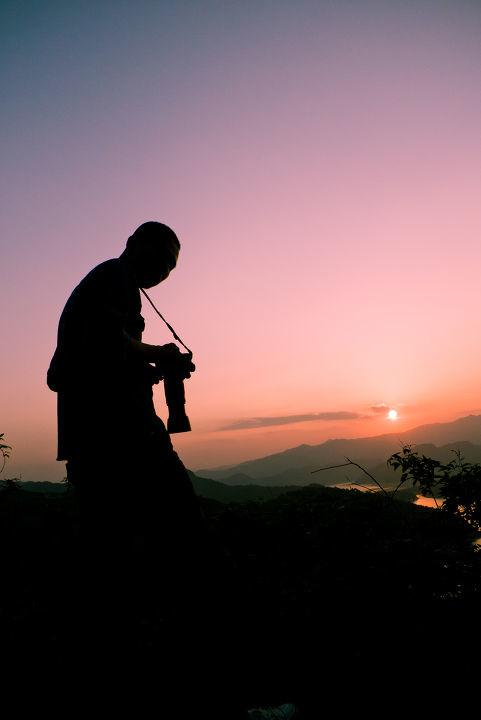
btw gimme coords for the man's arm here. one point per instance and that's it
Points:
(161, 355)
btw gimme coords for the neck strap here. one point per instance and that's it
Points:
(168, 325)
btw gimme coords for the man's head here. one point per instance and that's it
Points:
(152, 250)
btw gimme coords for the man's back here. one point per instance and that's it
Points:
(103, 391)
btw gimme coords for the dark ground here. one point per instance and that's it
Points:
(345, 594)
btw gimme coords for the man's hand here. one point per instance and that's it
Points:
(166, 357)
(171, 360)
(169, 350)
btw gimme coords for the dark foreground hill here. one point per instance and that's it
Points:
(342, 586)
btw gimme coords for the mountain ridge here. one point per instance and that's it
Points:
(295, 465)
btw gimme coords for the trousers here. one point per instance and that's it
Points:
(155, 584)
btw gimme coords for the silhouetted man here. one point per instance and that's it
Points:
(145, 547)
(101, 368)
(143, 530)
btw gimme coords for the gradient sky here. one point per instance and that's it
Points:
(321, 164)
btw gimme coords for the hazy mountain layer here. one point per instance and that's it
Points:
(295, 465)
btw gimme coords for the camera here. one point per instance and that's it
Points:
(179, 368)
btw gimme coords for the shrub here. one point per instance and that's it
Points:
(457, 484)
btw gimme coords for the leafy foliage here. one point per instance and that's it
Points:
(457, 484)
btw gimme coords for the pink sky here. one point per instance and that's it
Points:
(321, 166)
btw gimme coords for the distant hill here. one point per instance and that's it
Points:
(38, 487)
(210, 489)
(215, 490)
(271, 476)
(294, 466)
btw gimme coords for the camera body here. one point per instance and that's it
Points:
(179, 368)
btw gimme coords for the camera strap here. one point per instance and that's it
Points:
(168, 325)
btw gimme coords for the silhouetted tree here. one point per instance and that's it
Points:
(456, 484)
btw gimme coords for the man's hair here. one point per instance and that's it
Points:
(152, 232)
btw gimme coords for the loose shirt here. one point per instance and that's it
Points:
(105, 400)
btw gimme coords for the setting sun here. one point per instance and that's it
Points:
(392, 415)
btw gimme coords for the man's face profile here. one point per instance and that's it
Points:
(155, 264)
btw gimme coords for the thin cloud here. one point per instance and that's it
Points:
(257, 422)
(380, 409)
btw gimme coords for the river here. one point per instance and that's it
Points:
(420, 499)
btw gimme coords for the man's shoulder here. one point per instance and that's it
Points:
(108, 280)
(105, 277)
(108, 269)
